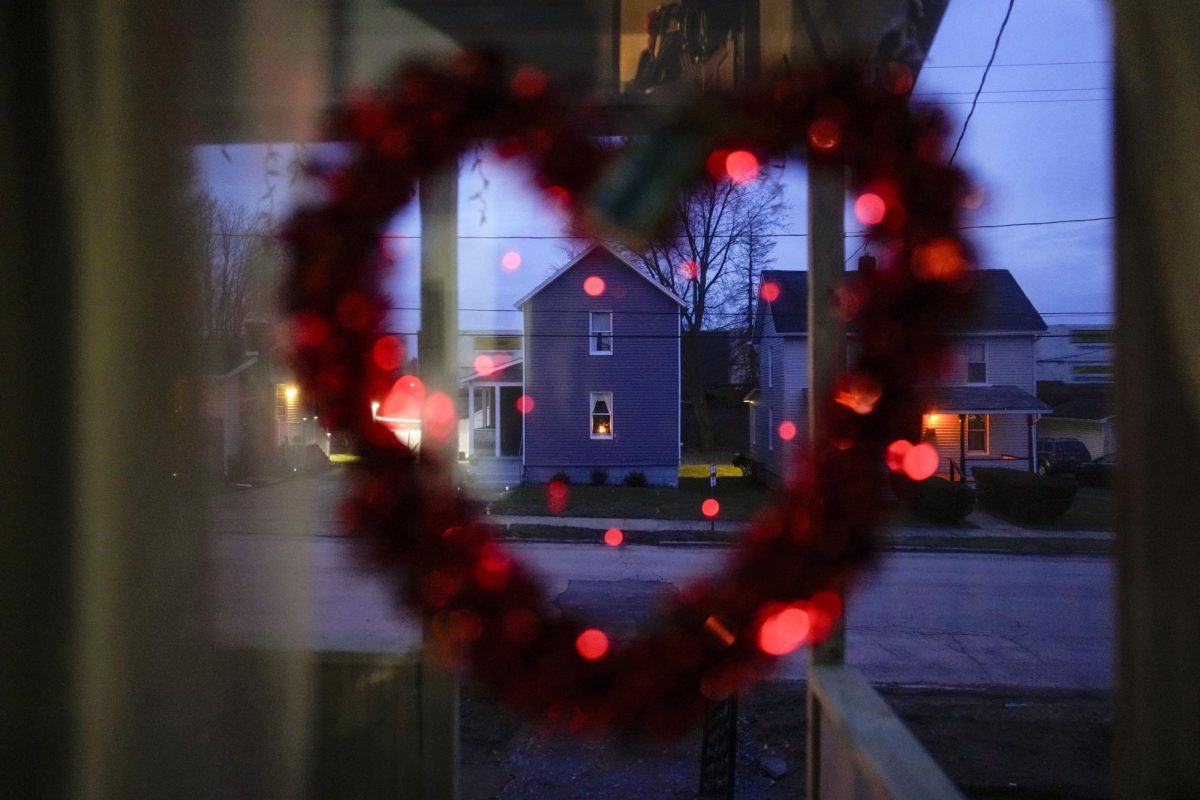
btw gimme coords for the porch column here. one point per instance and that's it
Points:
(1030, 450)
(826, 333)
(496, 418)
(438, 197)
(470, 419)
(962, 448)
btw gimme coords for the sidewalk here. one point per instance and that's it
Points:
(982, 531)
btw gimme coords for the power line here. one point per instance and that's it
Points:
(1042, 222)
(1020, 91)
(1026, 64)
(1013, 102)
(982, 80)
(784, 235)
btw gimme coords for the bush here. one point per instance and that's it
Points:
(742, 463)
(1023, 496)
(636, 480)
(599, 476)
(750, 468)
(561, 477)
(939, 500)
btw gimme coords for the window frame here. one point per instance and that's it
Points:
(987, 434)
(593, 399)
(592, 333)
(770, 427)
(983, 362)
(770, 367)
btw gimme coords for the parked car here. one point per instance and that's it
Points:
(1061, 455)
(1098, 472)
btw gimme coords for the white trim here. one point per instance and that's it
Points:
(592, 351)
(593, 398)
(567, 268)
(987, 434)
(753, 427)
(770, 366)
(770, 428)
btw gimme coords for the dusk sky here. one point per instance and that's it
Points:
(1039, 143)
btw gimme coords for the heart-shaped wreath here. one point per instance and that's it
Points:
(784, 582)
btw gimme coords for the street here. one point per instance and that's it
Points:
(918, 619)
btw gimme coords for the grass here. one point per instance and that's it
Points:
(1094, 509)
(738, 497)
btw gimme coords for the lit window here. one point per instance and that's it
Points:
(976, 363)
(977, 433)
(602, 421)
(601, 333)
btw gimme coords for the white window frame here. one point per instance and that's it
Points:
(969, 362)
(592, 332)
(987, 434)
(594, 398)
(770, 367)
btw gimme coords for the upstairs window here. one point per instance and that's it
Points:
(600, 340)
(977, 363)
(602, 418)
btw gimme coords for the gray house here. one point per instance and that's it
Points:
(981, 410)
(601, 379)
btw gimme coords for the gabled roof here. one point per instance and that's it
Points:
(1000, 306)
(569, 266)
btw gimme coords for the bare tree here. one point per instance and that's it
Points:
(711, 265)
(236, 265)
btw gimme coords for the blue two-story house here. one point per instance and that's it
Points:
(601, 374)
(980, 410)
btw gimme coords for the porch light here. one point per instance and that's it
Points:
(932, 418)
(291, 392)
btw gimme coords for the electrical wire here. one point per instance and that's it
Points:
(983, 80)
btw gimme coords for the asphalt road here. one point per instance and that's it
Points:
(919, 619)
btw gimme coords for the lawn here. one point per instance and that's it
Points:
(738, 497)
(1093, 509)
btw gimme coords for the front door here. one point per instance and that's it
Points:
(510, 421)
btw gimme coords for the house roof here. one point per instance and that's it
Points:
(1094, 407)
(981, 400)
(1000, 306)
(567, 268)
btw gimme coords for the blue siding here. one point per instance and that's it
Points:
(642, 373)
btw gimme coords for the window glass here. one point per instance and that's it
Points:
(602, 421)
(976, 363)
(601, 332)
(977, 433)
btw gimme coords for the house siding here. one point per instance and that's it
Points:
(642, 373)
(1010, 362)
(1007, 436)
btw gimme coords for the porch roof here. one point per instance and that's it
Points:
(982, 400)
(511, 372)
